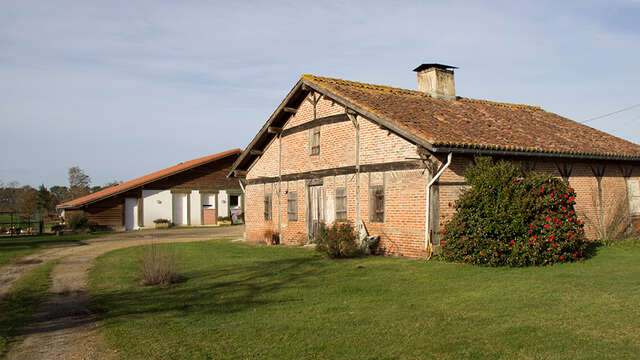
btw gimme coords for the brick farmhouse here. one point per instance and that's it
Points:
(394, 159)
(194, 192)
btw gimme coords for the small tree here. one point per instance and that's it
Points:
(79, 182)
(508, 219)
(44, 201)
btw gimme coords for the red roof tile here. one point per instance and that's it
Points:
(132, 184)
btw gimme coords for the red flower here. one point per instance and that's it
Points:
(560, 257)
(531, 225)
(548, 219)
(551, 195)
(570, 189)
(535, 237)
(546, 226)
(444, 231)
(554, 244)
(512, 241)
(564, 208)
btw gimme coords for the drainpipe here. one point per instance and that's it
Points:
(428, 210)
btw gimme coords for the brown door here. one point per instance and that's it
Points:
(315, 212)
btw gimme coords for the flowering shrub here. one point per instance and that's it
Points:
(506, 219)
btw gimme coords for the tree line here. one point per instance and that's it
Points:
(26, 199)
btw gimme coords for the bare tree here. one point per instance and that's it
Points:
(78, 182)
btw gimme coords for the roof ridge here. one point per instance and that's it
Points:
(386, 88)
(499, 103)
(365, 85)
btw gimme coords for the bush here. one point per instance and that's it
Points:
(271, 237)
(78, 221)
(338, 240)
(57, 227)
(508, 219)
(161, 221)
(158, 266)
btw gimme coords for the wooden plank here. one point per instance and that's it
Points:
(290, 110)
(256, 152)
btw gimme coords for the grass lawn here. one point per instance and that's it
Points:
(12, 248)
(18, 306)
(241, 301)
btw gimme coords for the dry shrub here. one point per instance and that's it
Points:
(158, 266)
(271, 237)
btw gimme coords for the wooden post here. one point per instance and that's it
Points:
(279, 184)
(354, 120)
(189, 209)
(598, 172)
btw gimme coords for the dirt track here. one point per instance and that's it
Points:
(63, 327)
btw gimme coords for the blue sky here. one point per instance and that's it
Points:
(123, 88)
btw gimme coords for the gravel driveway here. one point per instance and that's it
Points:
(63, 327)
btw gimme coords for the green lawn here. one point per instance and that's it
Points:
(18, 306)
(241, 301)
(12, 248)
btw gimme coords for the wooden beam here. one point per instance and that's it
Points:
(239, 173)
(290, 110)
(274, 130)
(354, 119)
(255, 152)
(346, 170)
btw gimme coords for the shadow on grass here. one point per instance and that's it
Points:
(44, 242)
(225, 290)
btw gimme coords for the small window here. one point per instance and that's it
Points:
(267, 207)
(315, 141)
(376, 203)
(233, 201)
(341, 204)
(292, 206)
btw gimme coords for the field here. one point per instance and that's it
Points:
(243, 301)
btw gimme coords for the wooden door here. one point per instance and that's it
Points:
(315, 212)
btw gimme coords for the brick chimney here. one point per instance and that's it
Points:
(437, 80)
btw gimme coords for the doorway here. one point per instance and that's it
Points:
(130, 213)
(315, 218)
(180, 206)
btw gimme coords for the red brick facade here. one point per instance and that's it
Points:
(403, 229)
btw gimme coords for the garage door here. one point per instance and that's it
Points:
(180, 207)
(130, 213)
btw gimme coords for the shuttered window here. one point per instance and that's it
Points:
(267, 207)
(292, 206)
(634, 196)
(376, 203)
(341, 204)
(315, 141)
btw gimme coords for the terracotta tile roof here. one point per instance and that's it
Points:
(477, 124)
(132, 184)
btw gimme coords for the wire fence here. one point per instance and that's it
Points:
(20, 224)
